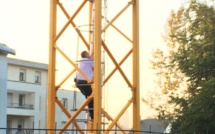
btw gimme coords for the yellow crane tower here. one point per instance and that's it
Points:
(133, 83)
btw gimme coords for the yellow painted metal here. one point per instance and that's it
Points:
(51, 68)
(109, 117)
(116, 64)
(120, 32)
(120, 63)
(129, 3)
(76, 114)
(97, 66)
(90, 127)
(74, 26)
(70, 19)
(72, 63)
(68, 115)
(66, 78)
(90, 19)
(118, 116)
(136, 91)
(97, 59)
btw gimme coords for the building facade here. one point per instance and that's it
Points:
(27, 101)
(27, 98)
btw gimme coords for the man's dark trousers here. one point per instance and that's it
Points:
(86, 90)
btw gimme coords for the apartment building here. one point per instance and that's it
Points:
(27, 98)
(26, 94)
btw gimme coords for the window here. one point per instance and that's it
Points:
(8, 126)
(22, 75)
(20, 125)
(21, 100)
(9, 100)
(37, 77)
(64, 102)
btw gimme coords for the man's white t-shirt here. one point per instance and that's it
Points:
(87, 66)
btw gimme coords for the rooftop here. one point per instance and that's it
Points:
(6, 50)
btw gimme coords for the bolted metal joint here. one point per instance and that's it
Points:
(133, 100)
(132, 2)
(77, 30)
(132, 88)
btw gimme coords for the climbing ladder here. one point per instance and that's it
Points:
(98, 82)
(79, 30)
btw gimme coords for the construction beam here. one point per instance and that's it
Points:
(70, 19)
(90, 21)
(74, 25)
(129, 3)
(116, 64)
(66, 78)
(114, 70)
(118, 116)
(68, 115)
(52, 67)
(136, 89)
(73, 64)
(109, 117)
(97, 66)
(72, 118)
(118, 30)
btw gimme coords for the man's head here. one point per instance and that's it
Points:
(85, 54)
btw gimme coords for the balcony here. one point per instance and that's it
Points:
(18, 131)
(20, 106)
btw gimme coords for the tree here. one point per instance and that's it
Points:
(188, 66)
(196, 113)
(192, 43)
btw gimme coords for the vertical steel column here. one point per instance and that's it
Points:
(136, 92)
(52, 67)
(90, 20)
(97, 68)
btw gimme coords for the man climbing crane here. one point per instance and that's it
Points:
(86, 65)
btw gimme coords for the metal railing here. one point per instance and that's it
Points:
(21, 106)
(73, 131)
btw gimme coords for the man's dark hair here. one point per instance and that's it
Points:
(83, 54)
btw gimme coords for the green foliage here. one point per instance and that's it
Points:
(196, 113)
(186, 73)
(192, 43)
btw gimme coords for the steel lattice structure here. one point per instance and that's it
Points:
(96, 83)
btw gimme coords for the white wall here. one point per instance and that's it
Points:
(36, 94)
(12, 72)
(43, 100)
(3, 91)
